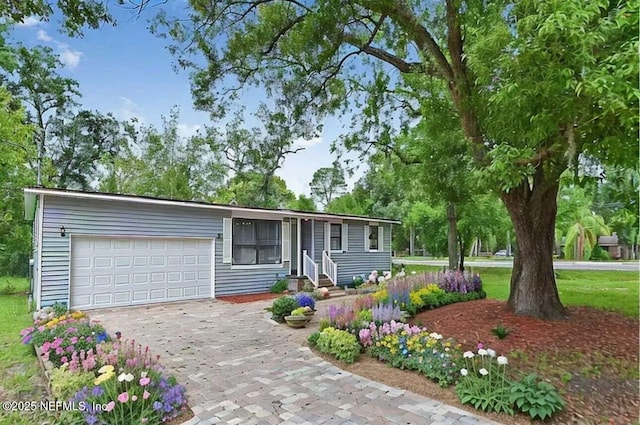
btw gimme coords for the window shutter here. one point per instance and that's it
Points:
(286, 241)
(227, 224)
(366, 237)
(327, 236)
(345, 237)
(380, 238)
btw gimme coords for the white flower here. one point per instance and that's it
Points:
(125, 377)
(464, 372)
(468, 355)
(483, 372)
(482, 352)
(491, 352)
(143, 374)
(502, 360)
(435, 335)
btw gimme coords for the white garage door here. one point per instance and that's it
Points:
(107, 272)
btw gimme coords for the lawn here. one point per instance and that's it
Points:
(607, 290)
(18, 365)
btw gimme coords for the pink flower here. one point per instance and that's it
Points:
(124, 397)
(145, 395)
(110, 406)
(144, 381)
(46, 346)
(40, 328)
(59, 351)
(74, 339)
(64, 359)
(480, 345)
(88, 339)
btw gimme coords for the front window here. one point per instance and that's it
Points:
(373, 237)
(336, 237)
(257, 241)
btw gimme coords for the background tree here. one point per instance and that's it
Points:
(328, 183)
(526, 80)
(302, 203)
(48, 96)
(162, 163)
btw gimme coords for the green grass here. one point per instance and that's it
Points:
(19, 372)
(606, 290)
(13, 285)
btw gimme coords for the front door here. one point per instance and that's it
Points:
(306, 234)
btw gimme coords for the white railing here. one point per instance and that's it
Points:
(329, 268)
(309, 268)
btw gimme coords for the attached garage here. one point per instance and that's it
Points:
(116, 271)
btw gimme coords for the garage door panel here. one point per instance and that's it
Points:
(118, 271)
(102, 280)
(139, 278)
(157, 294)
(122, 297)
(102, 300)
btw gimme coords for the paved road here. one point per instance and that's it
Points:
(631, 266)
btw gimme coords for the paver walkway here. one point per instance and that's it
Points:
(239, 367)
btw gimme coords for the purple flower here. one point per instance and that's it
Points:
(305, 300)
(157, 405)
(97, 391)
(91, 419)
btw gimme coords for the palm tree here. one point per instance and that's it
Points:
(583, 235)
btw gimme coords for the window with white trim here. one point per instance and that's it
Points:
(336, 237)
(373, 238)
(256, 241)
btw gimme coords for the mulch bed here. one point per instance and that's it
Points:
(592, 357)
(586, 330)
(249, 298)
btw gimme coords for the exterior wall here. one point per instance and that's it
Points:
(358, 261)
(111, 218)
(318, 241)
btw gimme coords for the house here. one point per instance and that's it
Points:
(95, 250)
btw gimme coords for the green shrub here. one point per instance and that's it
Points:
(340, 344)
(500, 331)
(64, 384)
(280, 286)
(313, 339)
(282, 307)
(323, 324)
(537, 398)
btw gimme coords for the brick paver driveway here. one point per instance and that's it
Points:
(241, 368)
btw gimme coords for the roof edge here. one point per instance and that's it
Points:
(193, 204)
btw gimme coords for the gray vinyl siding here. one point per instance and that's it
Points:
(356, 261)
(318, 241)
(113, 218)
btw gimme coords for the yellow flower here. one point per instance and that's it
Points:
(104, 377)
(106, 368)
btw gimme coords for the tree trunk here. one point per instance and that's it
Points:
(453, 236)
(461, 243)
(412, 241)
(532, 207)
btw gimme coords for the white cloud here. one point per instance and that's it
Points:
(30, 21)
(43, 36)
(70, 58)
(188, 130)
(128, 109)
(306, 143)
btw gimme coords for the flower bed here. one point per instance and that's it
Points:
(375, 321)
(110, 381)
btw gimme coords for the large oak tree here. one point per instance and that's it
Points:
(534, 85)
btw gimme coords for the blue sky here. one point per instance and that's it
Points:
(128, 71)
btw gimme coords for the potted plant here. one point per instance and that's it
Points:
(297, 319)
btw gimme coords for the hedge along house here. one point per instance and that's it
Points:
(95, 250)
